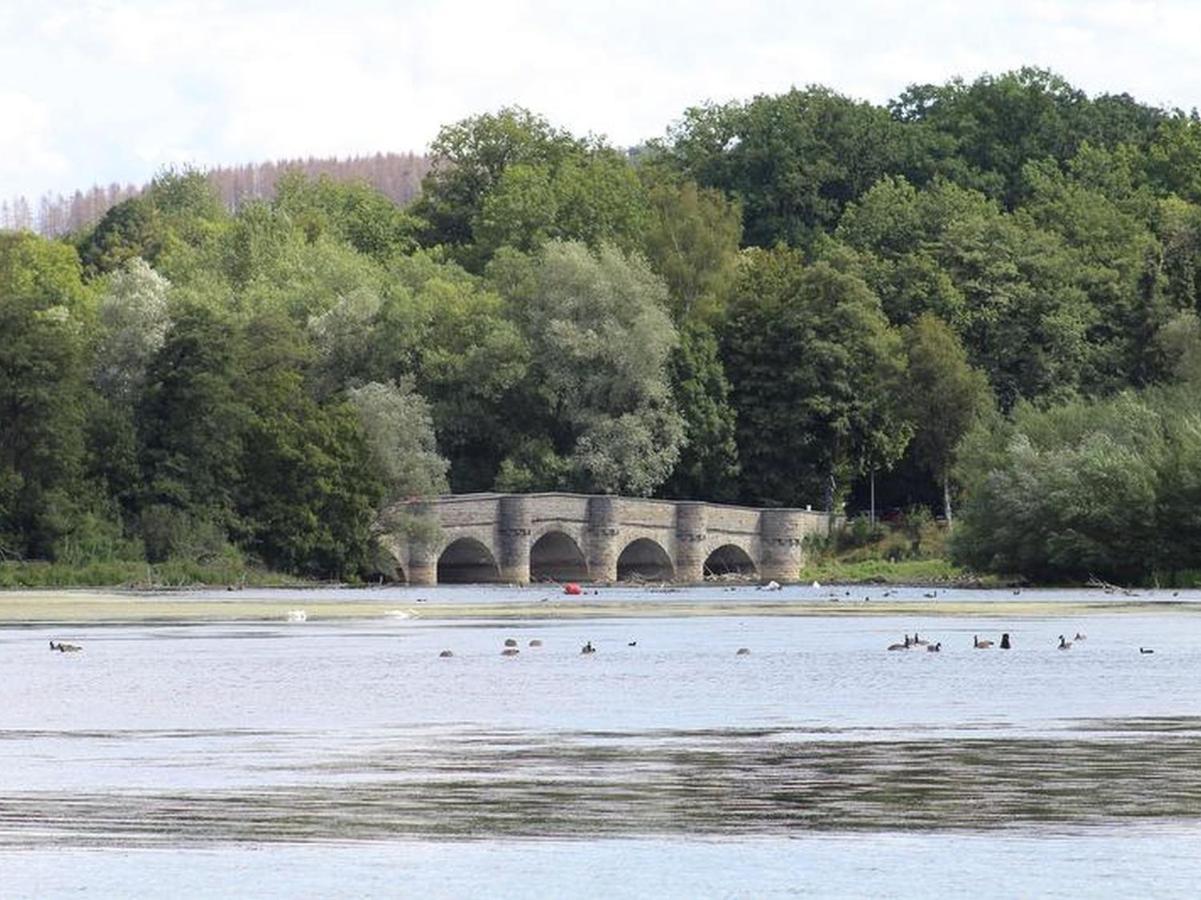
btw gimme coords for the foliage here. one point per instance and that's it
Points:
(600, 340)
(134, 320)
(45, 315)
(793, 161)
(986, 289)
(815, 370)
(944, 397)
(352, 212)
(400, 436)
(1103, 488)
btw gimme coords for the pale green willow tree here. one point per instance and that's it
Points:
(600, 338)
(338, 335)
(400, 434)
(134, 321)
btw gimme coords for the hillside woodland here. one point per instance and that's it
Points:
(981, 297)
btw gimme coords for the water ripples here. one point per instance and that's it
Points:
(471, 783)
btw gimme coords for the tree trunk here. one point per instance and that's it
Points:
(831, 486)
(872, 516)
(946, 499)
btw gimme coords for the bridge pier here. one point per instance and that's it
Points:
(603, 529)
(691, 534)
(780, 533)
(513, 530)
(423, 558)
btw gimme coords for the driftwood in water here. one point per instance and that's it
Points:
(1095, 582)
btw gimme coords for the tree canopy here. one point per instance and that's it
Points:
(984, 292)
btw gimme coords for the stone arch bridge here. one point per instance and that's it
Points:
(518, 538)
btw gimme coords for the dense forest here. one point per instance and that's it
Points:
(981, 297)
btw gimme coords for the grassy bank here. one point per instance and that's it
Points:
(912, 551)
(905, 571)
(139, 575)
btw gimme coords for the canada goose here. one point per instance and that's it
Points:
(1145, 650)
(445, 654)
(510, 642)
(53, 646)
(1064, 644)
(1005, 641)
(535, 643)
(632, 644)
(509, 651)
(930, 595)
(588, 648)
(1080, 637)
(68, 648)
(979, 644)
(904, 646)
(934, 648)
(918, 641)
(743, 651)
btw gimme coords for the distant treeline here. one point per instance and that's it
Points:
(395, 175)
(981, 298)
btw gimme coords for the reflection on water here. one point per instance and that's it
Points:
(211, 739)
(471, 783)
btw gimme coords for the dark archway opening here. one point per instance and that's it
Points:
(556, 557)
(467, 561)
(728, 560)
(644, 560)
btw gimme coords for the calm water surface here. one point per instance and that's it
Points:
(347, 758)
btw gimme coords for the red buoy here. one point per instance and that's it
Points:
(572, 588)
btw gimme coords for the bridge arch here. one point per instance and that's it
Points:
(730, 559)
(555, 556)
(467, 561)
(644, 559)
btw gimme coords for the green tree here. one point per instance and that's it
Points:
(600, 340)
(708, 464)
(192, 418)
(1173, 160)
(470, 158)
(793, 160)
(172, 225)
(400, 435)
(816, 372)
(46, 316)
(134, 320)
(1064, 493)
(692, 243)
(353, 212)
(945, 396)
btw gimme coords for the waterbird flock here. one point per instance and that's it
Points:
(910, 643)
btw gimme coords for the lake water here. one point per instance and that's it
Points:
(347, 758)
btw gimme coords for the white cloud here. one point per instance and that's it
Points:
(103, 90)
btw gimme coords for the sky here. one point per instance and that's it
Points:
(97, 91)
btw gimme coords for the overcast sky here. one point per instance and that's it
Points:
(112, 90)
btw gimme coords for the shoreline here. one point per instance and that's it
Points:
(77, 606)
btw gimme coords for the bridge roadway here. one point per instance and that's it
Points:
(516, 538)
